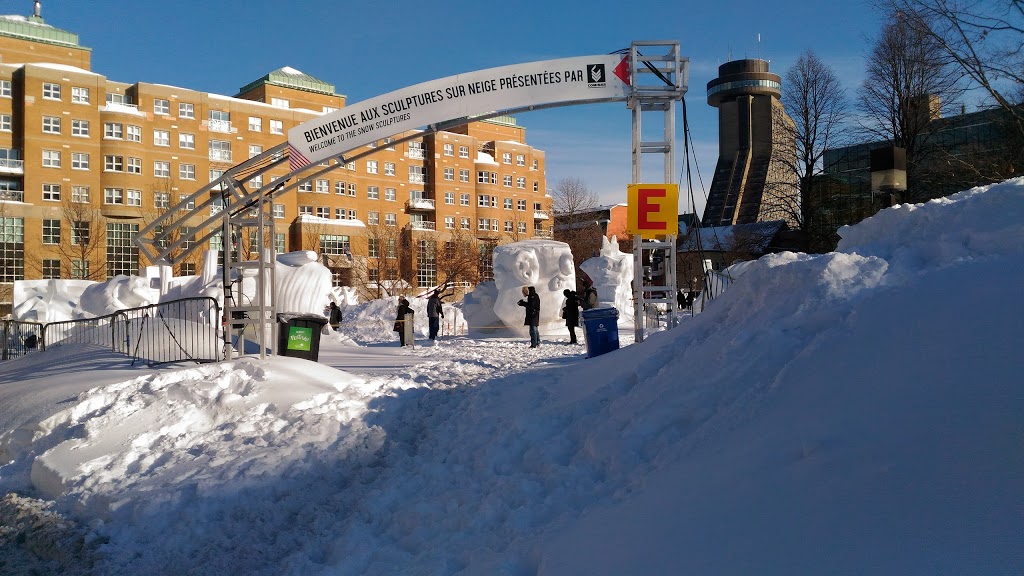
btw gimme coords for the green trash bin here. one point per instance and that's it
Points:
(601, 329)
(298, 335)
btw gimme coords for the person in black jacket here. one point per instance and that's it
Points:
(571, 313)
(334, 315)
(435, 312)
(532, 305)
(400, 318)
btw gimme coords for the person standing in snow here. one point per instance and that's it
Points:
(403, 315)
(532, 305)
(334, 315)
(434, 313)
(589, 295)
(571, 313)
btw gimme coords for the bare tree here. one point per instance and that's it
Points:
(574, 205)
(572, 196)
(82, 248)
(908, 76)
(458, 259)
(381, 267)
(816, 102)
(163, 190)
(985, 38)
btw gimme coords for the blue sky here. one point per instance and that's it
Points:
(368, 49)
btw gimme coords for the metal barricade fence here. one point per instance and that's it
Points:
(174, 331)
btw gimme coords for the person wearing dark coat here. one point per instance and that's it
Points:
(400, 318)
(532, 305)
(334, 315)
(434, 313)
(681, 299)
(571, 314)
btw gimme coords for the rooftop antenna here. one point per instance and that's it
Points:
(758, 45)
(37, 11)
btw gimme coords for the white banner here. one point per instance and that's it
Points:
(579, 79)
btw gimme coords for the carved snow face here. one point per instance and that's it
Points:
(546, 265)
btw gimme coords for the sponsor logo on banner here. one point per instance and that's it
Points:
(299, 338)
(595, 76)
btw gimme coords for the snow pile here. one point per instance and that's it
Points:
(836, 414)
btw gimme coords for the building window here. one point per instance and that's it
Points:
(506, 158)
(161, 169)
(51, 268)
(416, 149)
(449, 222)
(161, 138)
(276, 127)
(352, 214)
(79, 95)
(161, 200)
(187, 141)
(339, 188)
(133, 197)
(536, 186)
(494, 224)
(520, 160)
(373, 218)
(5, 122)
(186, 110)
(449, 198)
(389, 168)
(483, 224)
(372, 249)
(187, 171)
(189, 205)
(449, 150)
(305, 210)
(279, 103)
(521, 205)
(371, 166)
(113, 196)
(521, 183)
(134, 133)
(373, 192)
(51, 91)
(390, 219)
(12, 249)
(417, 174)
(339, 213)
(463, 175)
(323, 186)
(449, 174)
(255, 124)
(80, 128)
(5, 88)
(323, 212)
(483, 201)
(122, 254)
(277, 210)
(51, 231)
(51, 158)
(352, 189)
(463, 151)
(521, 226)
(334, 244)
(506, 203)
(80, 194)
(508, 226)
(390, 194)
(79, 161)
(113, 130)
(306, 186)
(535, 164)
(134, 165)
(464, 222)
(161, 106)
(51, 193)
(79, 269)
(51, 124)
(506, 181)
(256, 181)
(464, 199)
(426, 263)
(483, 177)
(255, 150)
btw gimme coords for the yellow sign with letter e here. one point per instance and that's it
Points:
(653, 210)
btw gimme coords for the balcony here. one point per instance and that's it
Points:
(9, 166)
(220, 155)
(223, 126)
(538, 233)
(120, 107)
(420, 204)
(541, 215)
(12, 195)
(422, 225)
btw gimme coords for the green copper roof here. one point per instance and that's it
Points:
(292, 78)
(33, 28)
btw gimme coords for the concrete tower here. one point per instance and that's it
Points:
(755, 143)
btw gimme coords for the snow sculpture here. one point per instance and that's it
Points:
(612, 273)
(118, 293)
(478, 309)
(546, 265)
(46, 300)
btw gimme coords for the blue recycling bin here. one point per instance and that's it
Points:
(601, 329)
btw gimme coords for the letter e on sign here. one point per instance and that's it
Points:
(652, 210)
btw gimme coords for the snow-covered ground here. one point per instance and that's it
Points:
(859, 412)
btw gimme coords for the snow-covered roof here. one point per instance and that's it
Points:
(64, 67)
(723, 238)
(484, 158)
